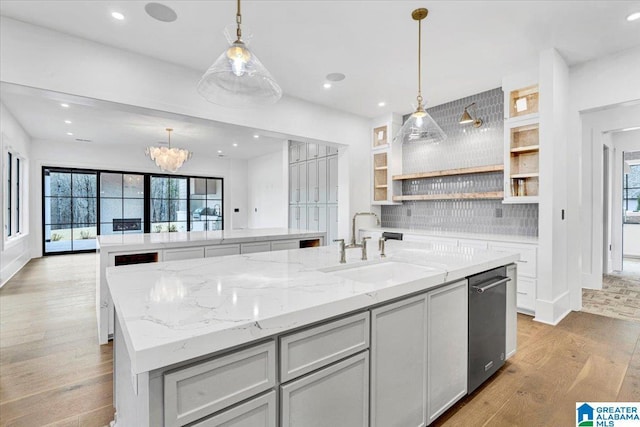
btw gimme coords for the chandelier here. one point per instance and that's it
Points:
(238, 78)
(420, 126)
(167, 158)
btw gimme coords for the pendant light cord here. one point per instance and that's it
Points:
(238, 22)
(419, 98)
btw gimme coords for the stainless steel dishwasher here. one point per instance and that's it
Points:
(487, 325)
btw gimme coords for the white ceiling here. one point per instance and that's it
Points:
(468, 46)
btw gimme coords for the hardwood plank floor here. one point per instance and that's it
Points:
(53, 372)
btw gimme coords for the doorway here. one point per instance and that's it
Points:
(631, 213)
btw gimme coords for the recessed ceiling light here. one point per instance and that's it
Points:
(235, 144)
(160, 12)
(327, 85)
(381, 104)
(64, 105)
(335, 77)
(256, 136)
(69, 133)
(219, 151)
(117, 15)
(633, 17)
(68, 122)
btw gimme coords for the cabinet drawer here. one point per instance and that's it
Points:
(199, 390)
(336, 396)
(305, 351)
(221, 250)
(526, 294)
(527, 265)
(258, 412)
(250, 248)
(283, 245)
(186, 253)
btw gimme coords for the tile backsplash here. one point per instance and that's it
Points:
(464, 147)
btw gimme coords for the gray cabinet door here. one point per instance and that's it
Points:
(258, 412)
(332, 172)
(512, 314)
(294, 153)
(313, 151)
(293, 216)
(399, 364)
(448, 348)
(336, 396)
(332, 223)
(302, 184)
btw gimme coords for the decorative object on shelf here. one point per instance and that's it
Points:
(467, 118)
(167, 158)
(238, 78)
(420, 126)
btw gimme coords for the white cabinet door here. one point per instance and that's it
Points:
(317, 217)
(283, 245)
(294, 152)
(322, 217)
(302, 186)
(182, 253)
(336, 396)
(322, 180)
(313, 151)
(294, 183)
(312, 181)
(399, 364)
(250, 248)
(302, 151)
(294, 216)
(512, 315)
(448, 347)
(332, 176)
(332, 224)
(331, 150)
(527, 264)
(526, 294)
(302, 217)
(221, 250)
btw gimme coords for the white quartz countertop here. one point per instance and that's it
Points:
(197, 238)
(455, 235)
(174, 311)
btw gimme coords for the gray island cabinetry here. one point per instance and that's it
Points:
(294, 338)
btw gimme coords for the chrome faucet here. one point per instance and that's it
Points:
(352, 243)
(343, 258)
(381, 246)
(363, 244)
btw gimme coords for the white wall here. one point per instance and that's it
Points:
(41, 58)
(268, 189)
(605, 82)
(100, 156)
(14, 253)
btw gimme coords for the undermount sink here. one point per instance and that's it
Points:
(384, 272)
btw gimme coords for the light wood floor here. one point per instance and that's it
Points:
(52, 371)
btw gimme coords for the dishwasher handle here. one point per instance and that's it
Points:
(480, 288)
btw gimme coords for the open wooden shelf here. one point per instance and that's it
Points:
(527, 149)
(381, 168)
(525, 175)
(450, 172)
(381, 186)
(450, 196)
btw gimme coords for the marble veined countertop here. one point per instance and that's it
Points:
(141, 241)
(532, 240)
(174, 311)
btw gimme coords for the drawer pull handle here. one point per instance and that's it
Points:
(522, 261)
(522, 293)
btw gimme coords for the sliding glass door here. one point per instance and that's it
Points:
(121, 203)
(69, 210)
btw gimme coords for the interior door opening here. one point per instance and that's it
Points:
(631, 213)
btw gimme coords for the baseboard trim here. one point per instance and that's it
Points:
(552, 312)
(10, 270)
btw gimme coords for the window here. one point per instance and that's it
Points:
(9, 218)
(80, 204)
(205, 207)
(631, 195)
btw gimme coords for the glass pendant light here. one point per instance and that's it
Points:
(167, 158)
(238, 78)
(420, 126)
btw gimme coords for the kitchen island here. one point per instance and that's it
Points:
(294, 336)
(125, 249)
